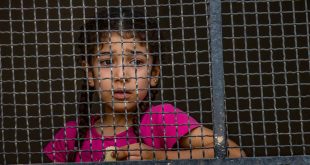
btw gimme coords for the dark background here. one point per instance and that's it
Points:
(266, 54)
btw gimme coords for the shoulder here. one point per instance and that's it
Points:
(71, 124)
(63, 140)
(69, 131)
(168, 113)
(164, 113)
(154, 114)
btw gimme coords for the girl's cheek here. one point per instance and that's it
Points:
(106, 73)
(143, 72)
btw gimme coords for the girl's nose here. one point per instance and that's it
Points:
(120, 73)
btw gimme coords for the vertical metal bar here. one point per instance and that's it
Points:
(50, 84)
(285, 77)
(261, 77)
(234, 47)
(147, 49)
(90, 93)
(274, 95)
(185, 75)
(26, 80)
(2, 111)
(299, 94)
(297, 74)
(76, 55)
(63, 89)
(161, 71)
(217, 79)
(99, 96)
(197, 71)
(173, 73)
(13, 81)
(38, 77)
(248, 72)
(136, 79)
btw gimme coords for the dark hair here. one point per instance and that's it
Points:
(129, 23)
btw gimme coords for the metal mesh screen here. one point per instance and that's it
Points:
(262, 47)
(266, 52)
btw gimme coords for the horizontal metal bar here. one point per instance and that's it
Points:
(242, 161)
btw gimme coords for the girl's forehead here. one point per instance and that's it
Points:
(119, 37)
(118, 42)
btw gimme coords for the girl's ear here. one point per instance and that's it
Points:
(154, 75)
(89, 73)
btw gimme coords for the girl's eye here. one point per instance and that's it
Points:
(105, 62)
(137, 62)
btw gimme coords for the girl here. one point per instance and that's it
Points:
(121, 56)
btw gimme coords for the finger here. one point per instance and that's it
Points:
(123, 153)
(126, 151)
(243, 153)
(120, 155)
(134, 158)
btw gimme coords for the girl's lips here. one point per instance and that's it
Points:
(121, 95)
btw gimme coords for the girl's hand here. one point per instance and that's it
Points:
(137, 151)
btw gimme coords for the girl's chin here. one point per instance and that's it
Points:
(123, 107)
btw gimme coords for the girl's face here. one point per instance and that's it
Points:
(122, 73)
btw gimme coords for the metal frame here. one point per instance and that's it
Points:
(240, 161)
(218, 100)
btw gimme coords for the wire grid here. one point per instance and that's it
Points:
(41, 79)
(266, 60)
